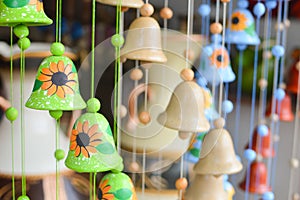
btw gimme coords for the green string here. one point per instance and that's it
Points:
(22, 74)
(91, 186)
(57, 21)
(60, 20)
(95, 177)
(117, 74)
(57, 162)
(12, 123)
(93, 49)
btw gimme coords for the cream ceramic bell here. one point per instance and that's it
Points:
(125, 3)
(185, 111)
(217, 154)
(206, 187)
(143, 41)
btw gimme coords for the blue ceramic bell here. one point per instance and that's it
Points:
(242, 28)
(215, 62)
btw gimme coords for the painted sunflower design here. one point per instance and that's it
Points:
(104, 191)
(238, 21)
(58, 79)
(220, 58)
(38, 3)
(84, 139)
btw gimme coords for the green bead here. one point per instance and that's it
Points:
(117, 40)
(57, 49)
(59, 154)
(56, 114)
(93, 105)
(11, 114)
(24, 43)
(23, 197)
(21, 31)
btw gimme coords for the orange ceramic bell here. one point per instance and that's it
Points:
(258, 179)
(185, 111)
(292, 85)
(261, 144)
(283, 109)
(206, 187)
(143, 41)
(217, 154)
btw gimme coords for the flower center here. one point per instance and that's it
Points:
(220, 58)
(83, 139)
(59, 79)
(235, 20)
(100, 194)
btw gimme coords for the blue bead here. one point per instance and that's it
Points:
(279, 94)
(259, 9)
(271, 4)
(204, 10)
(216, 38)
(250, 155)
(225, 177)
(278, 51)
(227, 106)
(268, 196)
(243, 4)
(208, 51)
(262, 130)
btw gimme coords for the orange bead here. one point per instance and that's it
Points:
(145, 117)
(147, 10)
(187, 74)
(124, 9)
(166, 13)
(136, 74)
(216, 28)
(181, 184)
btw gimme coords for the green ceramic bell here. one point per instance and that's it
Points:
(27, 12)
(56, 85)
(92, 147)
(116, 186)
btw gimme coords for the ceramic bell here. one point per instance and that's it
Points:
(261, 144)
(283, 109)
(185, 111)
(143, 41)
(92, 147)
(125, 3)
(292, 85)
(206, 187)
(258, 179)
(215, 62)
(116, 186)
(217, 154)
(27, 12)
(242, 28)
(56, 86)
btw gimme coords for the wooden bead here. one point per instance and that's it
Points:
(147, 10)
(134, 167)
(225, 1)
(296, 196)
(124, 9)
(166, 13)
(263, 83)
(136, 74)
(216, 28)
(123, 111)
(219, 123)
(181, 184)
(189, 54)
(282, 86)
(187, 74)
(184, 135)
(145, 117)
(267, 54)
(287, 23)
(294, 163)
(276, 138)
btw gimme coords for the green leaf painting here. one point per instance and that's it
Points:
(105, 148)
(123, 194)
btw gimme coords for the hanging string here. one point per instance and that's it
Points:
(91, 186)
(93, 48)
(146, 88)
(12, 122)
(144, 172)
(281, 76)
(94, 183)
(22, 75)
(57, 145)
(189, 30)
(295, 136)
